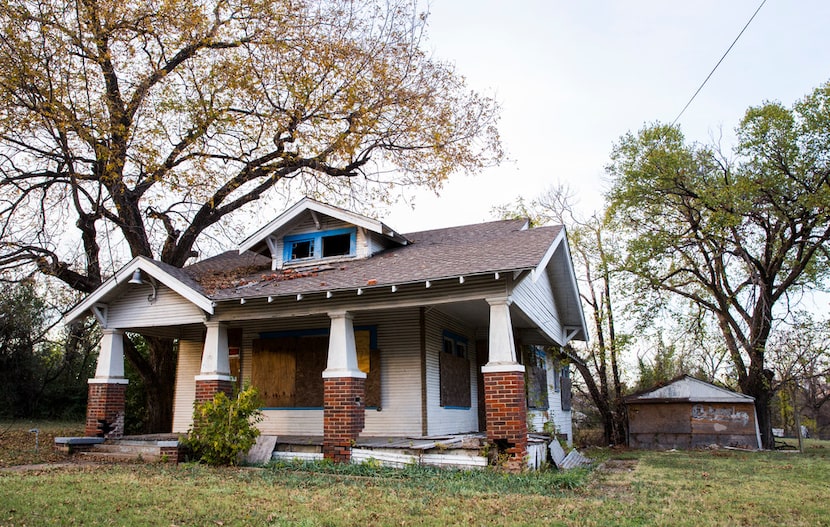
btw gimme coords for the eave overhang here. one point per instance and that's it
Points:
(108, 289)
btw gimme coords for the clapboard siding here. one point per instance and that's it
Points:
(189, 365)
(444, 420)
(398, 340)
(562, 419)
(169, 308)
(400, 358)
(535, 299)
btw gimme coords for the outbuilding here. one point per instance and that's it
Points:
(689, 413)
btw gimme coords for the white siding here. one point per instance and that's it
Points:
(535, 299)
(398, 337)
(400, 360)
(562, 419)
(443, 420)
(190, 363)
(132, 310)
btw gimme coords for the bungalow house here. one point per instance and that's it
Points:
(350, 329)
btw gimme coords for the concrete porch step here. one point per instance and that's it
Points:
(122, 448)
(121, 457)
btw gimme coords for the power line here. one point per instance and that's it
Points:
(718, 64)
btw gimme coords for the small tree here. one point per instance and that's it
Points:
(224, 428)
(738, 238)
(595, 254)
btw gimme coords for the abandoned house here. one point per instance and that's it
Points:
(351, 331)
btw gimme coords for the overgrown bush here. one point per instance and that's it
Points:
(224, 428)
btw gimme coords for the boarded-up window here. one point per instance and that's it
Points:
(288, 370)
(566, 388)
(454, 365)
(533, 358)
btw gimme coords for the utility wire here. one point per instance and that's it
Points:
(718, 64)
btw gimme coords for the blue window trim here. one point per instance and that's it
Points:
(456, 407)
(456, 339)
(316, 239)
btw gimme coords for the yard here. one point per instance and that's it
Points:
(720, 487)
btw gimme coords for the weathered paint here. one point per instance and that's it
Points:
(133, 310)
(443, 420)
(188, 367)
(534, 299)
(691, 425)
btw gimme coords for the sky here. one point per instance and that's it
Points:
(574, 76)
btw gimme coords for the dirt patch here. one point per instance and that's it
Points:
(619, 465)
(20, 445)
(614, 478)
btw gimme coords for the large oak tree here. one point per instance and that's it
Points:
(136, 127)
(741, 238)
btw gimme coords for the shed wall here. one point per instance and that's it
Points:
(691, 425)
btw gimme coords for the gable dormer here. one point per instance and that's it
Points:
(312, 233)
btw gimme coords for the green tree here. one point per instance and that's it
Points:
(43, 372)
(131, 128)
(740, 238)
(595, 254)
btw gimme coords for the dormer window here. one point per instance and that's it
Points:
(317, 245)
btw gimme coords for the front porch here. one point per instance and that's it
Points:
(464, 451)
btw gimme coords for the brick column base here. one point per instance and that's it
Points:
(106, 402)
(343, 416)
(506, 409)
(206, 389)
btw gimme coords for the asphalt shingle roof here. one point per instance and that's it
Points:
(498, 246)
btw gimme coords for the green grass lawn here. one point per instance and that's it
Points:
(630, 488)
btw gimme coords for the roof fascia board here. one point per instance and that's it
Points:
(562, 240)
(124, 274)
(543, 264)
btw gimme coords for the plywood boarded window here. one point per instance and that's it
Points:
(454, 366)
(536, 377)
(566, 388)
(288, 370)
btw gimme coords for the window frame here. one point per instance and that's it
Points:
(454, 355)
(316, 240)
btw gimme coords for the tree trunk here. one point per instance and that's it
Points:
(161, 389)
(155, 363)
(759, 385)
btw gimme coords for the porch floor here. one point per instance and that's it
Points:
(453, 450)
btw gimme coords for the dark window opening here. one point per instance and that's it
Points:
(337, 245)
(449, 345)
(536, 385)
(302, 249)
